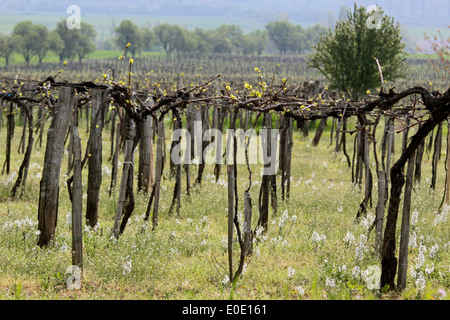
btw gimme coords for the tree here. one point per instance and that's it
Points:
(170, 37)
(48, 41)
(255, 42)
(86, 36)
(76, 42)
(204, 42)
(345, 55)
(233, 33)
(286, 36)
(128, 32)
(8, 45)
(29, 39)
(148, 38)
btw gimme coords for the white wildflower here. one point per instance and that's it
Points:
(429, 269)
(300, 290)
(291, 272)
(349, 238)
(330, 282)
(433, 250)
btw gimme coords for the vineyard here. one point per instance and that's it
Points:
(91, 190)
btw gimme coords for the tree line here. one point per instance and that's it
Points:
(36, 40)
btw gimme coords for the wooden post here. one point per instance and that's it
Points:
(158, 171)
(176, 200)
(247, 224)
(9, 136)
(49, 186)
(123, 185)
(418, 166)
(267, 178)
(204, 116)
(95, 158)
(115, 162)
(77, 198)
(380, 208)
(436, 155)
(404, 236)
(319, 131)
(390, 145)
(231, 182)
(145, 159)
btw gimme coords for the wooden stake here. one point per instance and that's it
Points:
(49, 186)
(404, 237)
(158, 171)
(231, 182)
(123, 186)
(77, 198)
(95, 158)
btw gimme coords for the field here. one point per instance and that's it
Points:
(313, 248)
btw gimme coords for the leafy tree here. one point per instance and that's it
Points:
(255, 42)
(233, 33)
(28, 36)
(8, 45)
(220, 43)
(128, 32)
(204, 43)
(76, 42)
(345, 55)
(170, 37)
(148, 38)
(48, 41)
(286, 36)
(86, 36)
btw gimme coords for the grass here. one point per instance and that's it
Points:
(302, 256)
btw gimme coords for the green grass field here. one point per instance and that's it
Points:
(105, 24)
(313, 248)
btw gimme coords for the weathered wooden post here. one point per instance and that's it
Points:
(145, 156)
(247, 230)
(158, 170)
(286, 144)
(123, 185)
(269, 157)
(319, 131)
(404, 236)
(176, 200)
(9, 136)
(77, 198)
(115, 162)
(49, 186)
(231, 200)
(436, 156)
(95, 157)
(380, 209)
